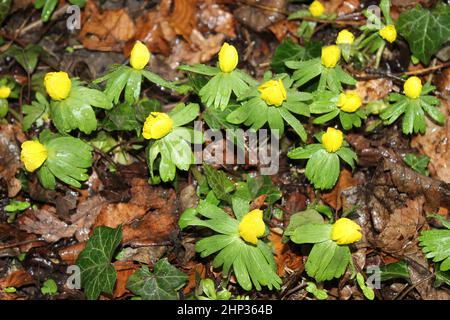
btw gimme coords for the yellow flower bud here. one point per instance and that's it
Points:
(345, 231)
(139, 56)
(413, 87)
(330, 56)
(33, 155)
(228, 58)
(349, 102)
(252, 226)
(57, 85)
(389, 33)
(157, 125)
(332, 140)
(273, 92)
(316, 8)
(5, 92)
(345, 37)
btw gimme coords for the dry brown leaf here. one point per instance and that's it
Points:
(124, 270)
(107, 30)
(284, 258)
(333, 198)
(16, 279)
(284, 27)
(183, 16)
(10, 137)
(214, 17)
(259, 14)
(70, 254)
(375, 89)
(197, 270)
(435, 143)
(401, 231)
(46, 223)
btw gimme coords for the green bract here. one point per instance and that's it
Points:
(75, 112)
(413, 110)
(436, 243)
(37, 112)
(251, 264)
(255, 112)
(326, 103)
(175, 147)
(327, 259)
(217, 91)
(122, 76)
(331, 78)
(68, 160)
(323, 168)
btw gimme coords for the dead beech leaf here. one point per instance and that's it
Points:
(333, 198)
(107, 30)
(70, 254)
(183, 16)
(114, 214)
(259, 14)
(124, 270)
(46, 223)
(10, 138)
(198, 270)
(284, 258)
(374, 89)
(214, 17)
(435, 143)
(401, 231)
(284, 27)
(16, 279)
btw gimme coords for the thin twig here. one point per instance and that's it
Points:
(38, 23)
(17, 244)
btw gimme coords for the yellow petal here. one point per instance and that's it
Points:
(349, 102)
(228, 58)
(332, 140)
(157, 125)
(252, 226)
(345, 37)
(273, 92)
(33, 155)
(345, 231)
(57, 85)
(316, 8)
(413, 87)
(330, 56)
(389, 33)
(139, 56)
(5, 92)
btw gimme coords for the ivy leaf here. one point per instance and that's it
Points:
(97, 273)
(27, 57)
(162, 284)
(425, 30)
(418, 163)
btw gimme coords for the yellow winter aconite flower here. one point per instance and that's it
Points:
(33, 155)
(252, 226)
(228, 58)
(5, 92)
(332, 139)
(389, 33)
(57, 85)
(157, 125)
(273, 92)
(316, 8)
(349, 102)
(139, 56)
(330, 56)
(413, 87)
(345, 231)
(345, 37)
